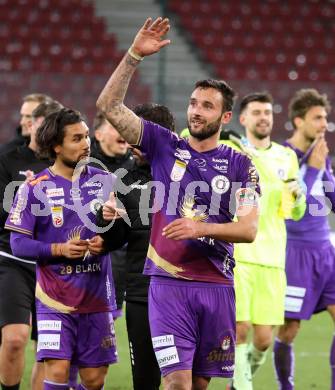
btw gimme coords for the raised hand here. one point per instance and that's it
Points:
(319, 154)
(110, 210)
(149, 39)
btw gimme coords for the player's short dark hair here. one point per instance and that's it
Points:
(98, 120)
(46, 108)
(52, 131)
(303, 100)
(226, 91)
(156, 113)
(37, 97)
(261, 97)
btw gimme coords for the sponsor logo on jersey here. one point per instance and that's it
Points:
(98, 192)
(48, 341)
(220, 160)
(220, 184)
(163, 341)
(92, 184)
(167, 356)
(49, 325)
(183, 154)
(54, 192)
(201, 164)
(221, 168)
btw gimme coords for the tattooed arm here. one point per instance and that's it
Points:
(147, 41)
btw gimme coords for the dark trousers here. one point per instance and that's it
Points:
(145, 370)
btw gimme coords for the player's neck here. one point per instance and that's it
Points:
(60, 169)
(205, 145)
(263, 143)
(299, 141)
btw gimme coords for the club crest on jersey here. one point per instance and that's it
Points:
(95, 205)
(225, 343)
(220, 184)
(57, 216)
(178, 170)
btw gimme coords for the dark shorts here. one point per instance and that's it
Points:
(193, 326)
(310, 272)
(17, 294)
(87, 340)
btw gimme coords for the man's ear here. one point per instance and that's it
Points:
(226, 117)
(98, 135)
(57, 149)
(298, 122)
(242, 120)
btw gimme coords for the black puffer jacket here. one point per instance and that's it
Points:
(112, 163)
(118, 256)
(13, 165)
(137, 235)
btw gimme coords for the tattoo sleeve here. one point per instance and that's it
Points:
(110, 101)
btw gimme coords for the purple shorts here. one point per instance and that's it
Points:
(193, 326)
(88, 340)
(310, 271)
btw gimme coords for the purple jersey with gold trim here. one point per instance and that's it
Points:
(200, 186)
(52, 209)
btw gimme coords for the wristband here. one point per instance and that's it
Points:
(134, 55)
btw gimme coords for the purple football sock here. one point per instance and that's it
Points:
(283, 357)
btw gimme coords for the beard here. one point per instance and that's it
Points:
(74, 163)
(261, 135)
(207, 131)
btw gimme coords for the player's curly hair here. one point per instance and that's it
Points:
(303, 100)
(52, 131)
(226, 91)
(156, 113)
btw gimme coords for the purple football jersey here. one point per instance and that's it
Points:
(200, 186)
(314, 226)
(52, 209)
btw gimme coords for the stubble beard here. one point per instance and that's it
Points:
(207, 131)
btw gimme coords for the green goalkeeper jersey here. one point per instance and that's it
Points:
(275, 165)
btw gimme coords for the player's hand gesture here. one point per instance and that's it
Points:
(182, 229)
(110, 211)
(295, 188)
(74, 249)
(96, 245)
(149, 39)
(319, 154)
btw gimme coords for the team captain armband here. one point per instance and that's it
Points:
(246, 197)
